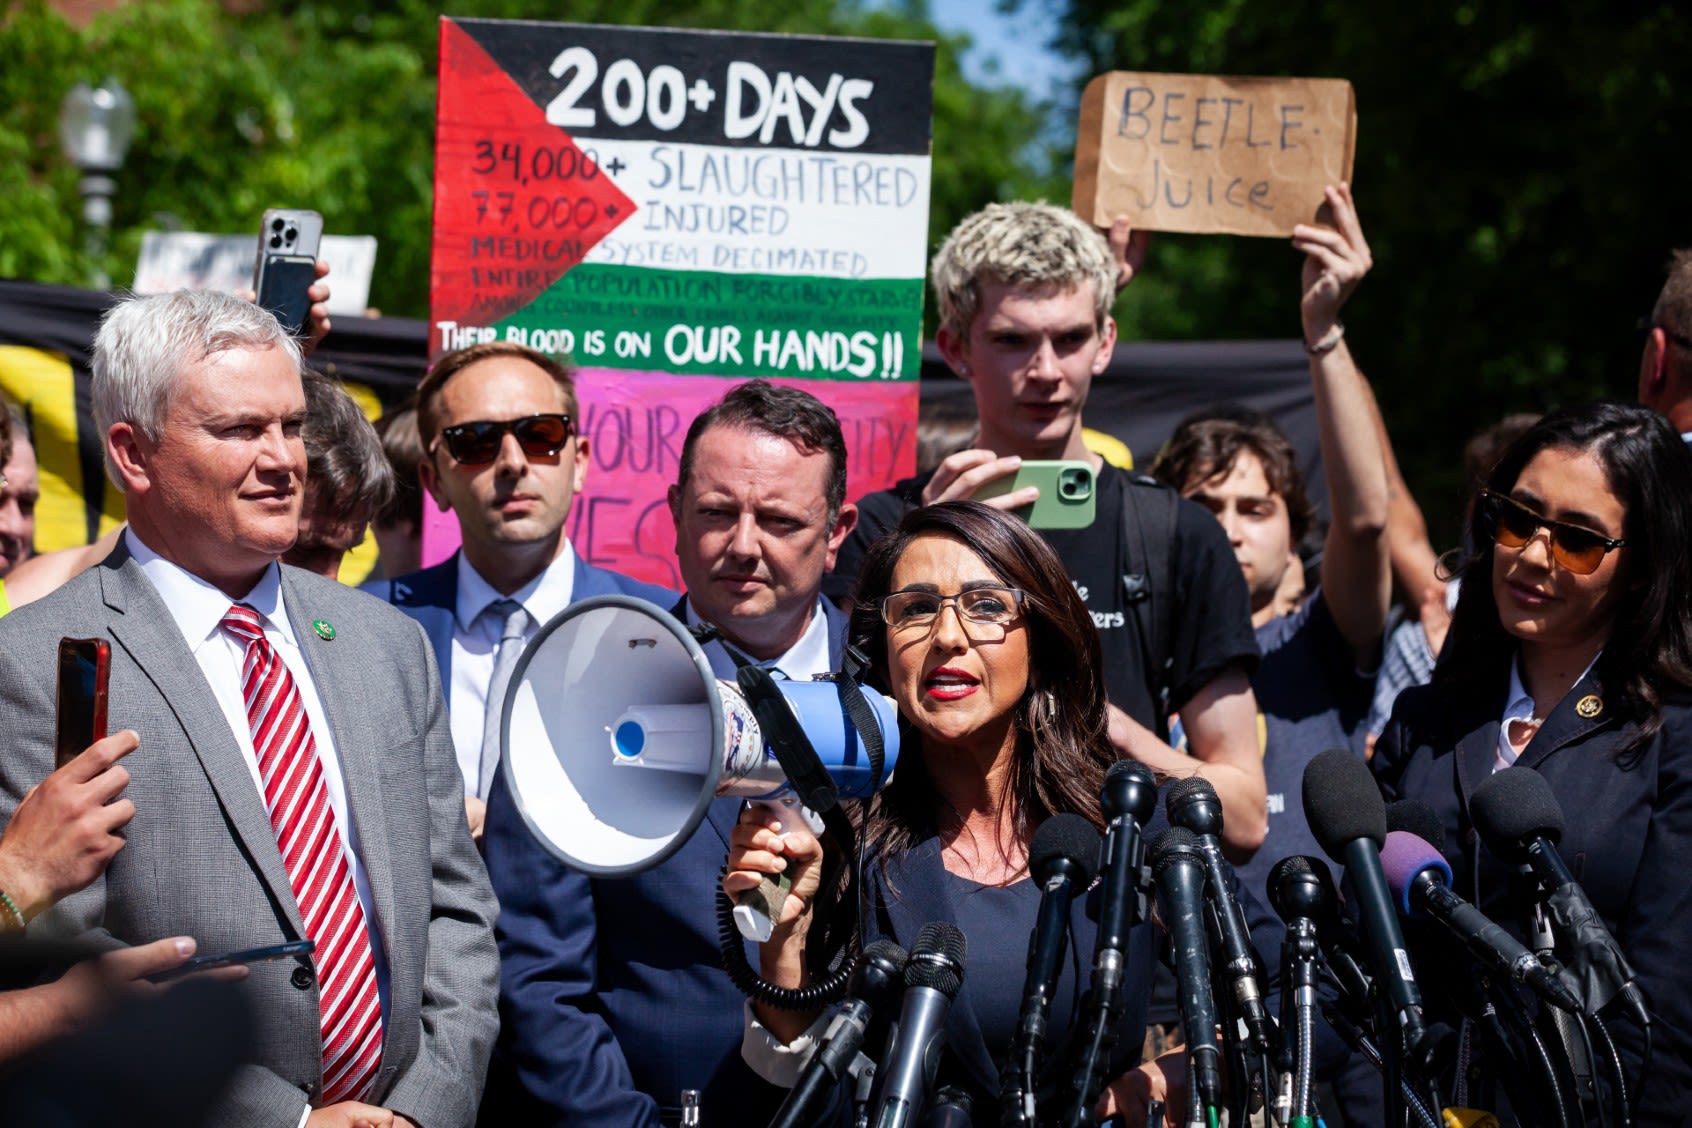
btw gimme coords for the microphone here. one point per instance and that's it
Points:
(933, 976)
(1310, 885)
(1348, 817)
(1420, 880)
(1127, 799)
(1178, 863)
(1518, 817)
(1300, 899)
(1419, 819)
(954, 1107)
(1194, 804)
(875, 981)
(1063, 857)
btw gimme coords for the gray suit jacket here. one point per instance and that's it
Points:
(202, 860)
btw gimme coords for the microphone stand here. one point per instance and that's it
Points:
(1299, 955)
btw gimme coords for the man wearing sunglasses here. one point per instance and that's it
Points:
(1665, 366)
(500, 450)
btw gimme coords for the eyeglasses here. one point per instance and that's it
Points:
(991, 606)
(477, 443)
(1512, 524)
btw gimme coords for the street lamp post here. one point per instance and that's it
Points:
(95, 126)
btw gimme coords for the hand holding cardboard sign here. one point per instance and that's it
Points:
(1129, 246)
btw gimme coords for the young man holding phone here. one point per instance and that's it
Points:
(1025, 292)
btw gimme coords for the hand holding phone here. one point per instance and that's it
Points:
(287, 264)
(288, 950)
(85, 666)
(1068, 499)
(68, 827)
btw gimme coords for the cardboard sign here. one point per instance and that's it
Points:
(192, 260)
(1211, 153)
(677, 211)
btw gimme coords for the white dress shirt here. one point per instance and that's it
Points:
(198, 609)
(475, 645)
(804, 659)
(1518, 706)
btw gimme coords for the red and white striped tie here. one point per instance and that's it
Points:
(304, 823)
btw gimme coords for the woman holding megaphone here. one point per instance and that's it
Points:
(972, 626)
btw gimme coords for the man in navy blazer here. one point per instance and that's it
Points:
(498, 427)
(613, 1000)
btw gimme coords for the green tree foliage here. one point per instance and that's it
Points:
(332, 106)
(1521, 170)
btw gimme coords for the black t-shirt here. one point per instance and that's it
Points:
(1210, 626)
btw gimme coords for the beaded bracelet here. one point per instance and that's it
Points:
(12, 907)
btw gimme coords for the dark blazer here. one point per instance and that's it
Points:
(430, 596)
(202, 859)
(912, 892)
(1627, 838)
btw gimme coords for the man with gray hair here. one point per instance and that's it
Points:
(296, 777)
(1025, 292)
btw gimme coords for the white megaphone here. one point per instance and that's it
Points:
(617, 736)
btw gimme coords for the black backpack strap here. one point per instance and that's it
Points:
(1150, 510)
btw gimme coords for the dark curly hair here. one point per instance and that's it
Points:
(1063, 743)
(1649, 651)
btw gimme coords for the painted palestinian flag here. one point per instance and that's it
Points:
(672, 208)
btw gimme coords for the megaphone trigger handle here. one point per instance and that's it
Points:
(756, 910)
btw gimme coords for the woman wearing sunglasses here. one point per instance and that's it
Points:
(1570, 653)
(973, 627)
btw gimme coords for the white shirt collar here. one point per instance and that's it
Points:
(802, 660)
(198, 606)
(542, 597)
(1518, 706)
(1518, 702)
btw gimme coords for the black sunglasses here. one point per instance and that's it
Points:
(477, 443)
(1512, 524)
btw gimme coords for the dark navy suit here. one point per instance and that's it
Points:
(1627, 838)
(430, 596)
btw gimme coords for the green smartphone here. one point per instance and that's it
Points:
(1067, 498)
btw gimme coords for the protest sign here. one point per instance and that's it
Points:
(677, 211)
(1211, 153)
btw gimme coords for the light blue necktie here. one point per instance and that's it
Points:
(516, 622)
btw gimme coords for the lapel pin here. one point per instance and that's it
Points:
(1589, 706)
(326, 631)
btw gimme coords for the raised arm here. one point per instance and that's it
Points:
(1356, 573)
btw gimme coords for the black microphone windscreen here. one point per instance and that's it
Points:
(1513, 805)
(1062, 837)
(1342, 803)
(1174, 845)
(1194, 804)
(1416, 817)
(888, 952)
(1296, 889)
(1130, 788)
(937, 958)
